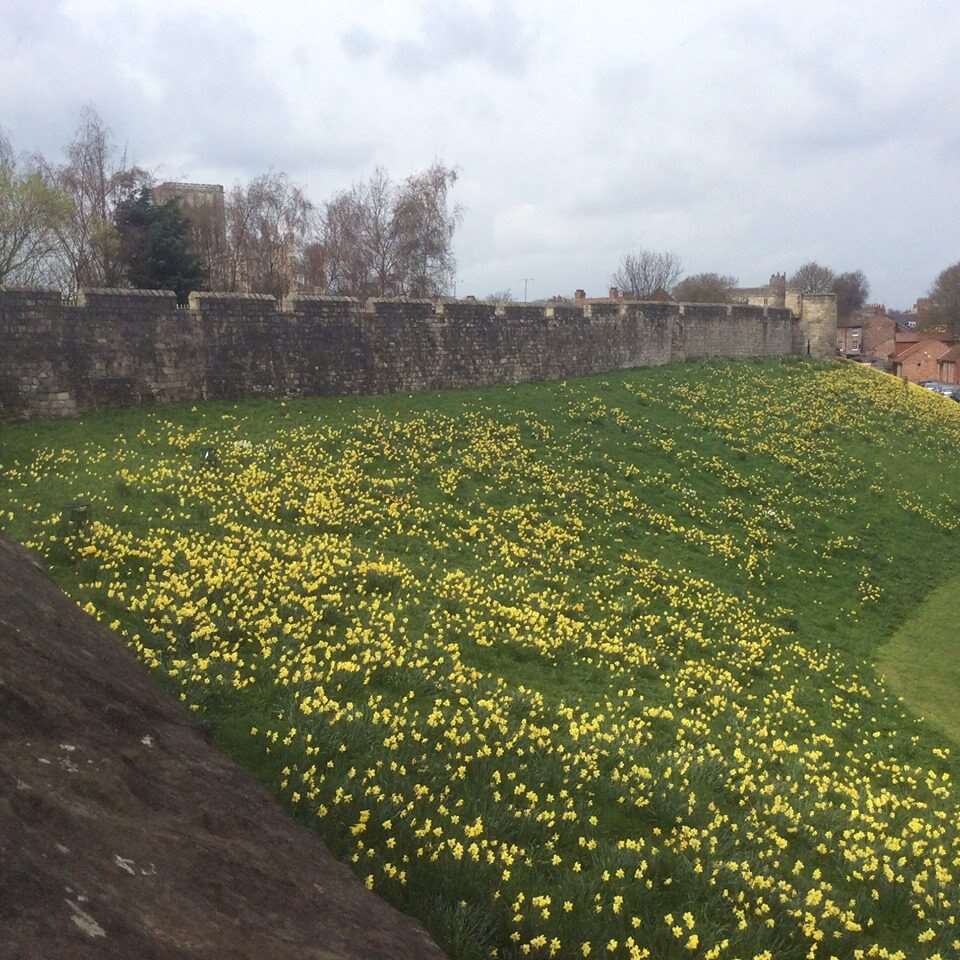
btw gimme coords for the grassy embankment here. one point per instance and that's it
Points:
(579, 669)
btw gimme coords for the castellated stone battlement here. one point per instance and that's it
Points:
(119, 347)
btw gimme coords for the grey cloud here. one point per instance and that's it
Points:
(840, 112)
(25, 21)
(948, 149)
(194, 91)
(622, 82)
(359, 43)
(452, 32)
(628, 196)
(842, 135)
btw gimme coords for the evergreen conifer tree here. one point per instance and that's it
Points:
(155, 246)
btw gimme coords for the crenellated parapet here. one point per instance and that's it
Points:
(119, 346)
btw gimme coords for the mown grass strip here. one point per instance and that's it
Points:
(922, 660)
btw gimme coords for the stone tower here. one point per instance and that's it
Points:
(778, 290)
(815, 334)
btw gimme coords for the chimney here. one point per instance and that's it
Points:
(579, 294)
(614, 293)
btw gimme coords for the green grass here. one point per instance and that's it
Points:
(629, 622)
(922, 660)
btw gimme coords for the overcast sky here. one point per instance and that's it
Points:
(745, 135)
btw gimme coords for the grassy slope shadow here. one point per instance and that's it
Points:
(921, 662)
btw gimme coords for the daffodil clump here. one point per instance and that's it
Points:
(568, 670)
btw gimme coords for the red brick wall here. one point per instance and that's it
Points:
(878, 328)
(921, 363)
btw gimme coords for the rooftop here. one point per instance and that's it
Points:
(185, 187)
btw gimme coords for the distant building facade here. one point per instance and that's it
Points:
(949, 366)
(204, 208)
(917, 354)
(868, 334)
(774, 294)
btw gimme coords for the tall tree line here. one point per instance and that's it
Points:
(90, 220)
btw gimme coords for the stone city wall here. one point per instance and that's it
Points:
(122, 347)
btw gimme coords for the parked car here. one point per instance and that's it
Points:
(950, 390)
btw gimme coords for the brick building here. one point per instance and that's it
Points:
(917, 354)
(868, 334)
(949, 366)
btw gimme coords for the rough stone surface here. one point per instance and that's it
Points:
(124, 834)
(123, 347)
(816, 335)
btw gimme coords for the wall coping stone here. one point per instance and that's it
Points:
(683, 305)
(550, 311)
(88, 292)
(321, 298)
(223, 297)
(440, 306)
(375, 300)
(32, 293)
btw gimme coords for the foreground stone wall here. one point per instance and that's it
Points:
(121, 347)
(717, 330)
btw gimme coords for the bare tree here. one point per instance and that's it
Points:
(97, 178)
(357, 250)
(812, 278)
(944, 310)
(705, 288)
(314, 268)
(207, 225)
(239, 229)
(641, 274)
(7, 156)
(425, 226)
(499, 296)
(267, 223)
(340, 247)
(384, 239)
(31, 212)
(379, 233)
(852, 289)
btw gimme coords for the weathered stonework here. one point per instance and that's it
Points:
(816, 332)
(121, 347)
